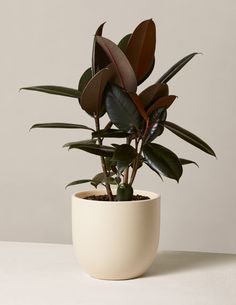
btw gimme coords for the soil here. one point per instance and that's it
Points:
(105, 197)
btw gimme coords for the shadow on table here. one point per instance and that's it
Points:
(168, 262)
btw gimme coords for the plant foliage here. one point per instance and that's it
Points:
(109, 86)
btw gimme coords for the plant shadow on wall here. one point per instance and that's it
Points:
(109, 87)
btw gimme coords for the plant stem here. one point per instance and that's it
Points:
(108, 126)
(135, 168)
(126, 171)
(103, 163)
(136, 161)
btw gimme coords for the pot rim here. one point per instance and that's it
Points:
(80, 195)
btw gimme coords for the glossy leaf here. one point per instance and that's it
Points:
(85, 78)
(139, 105)
(148, 72)
(189, 137)
(153, 93)
(61, 125)
(121, 166)
(110, 133)
(92, 96)
(121, 109)
(124, 152)
(57, 90)
(78, 182)
(163, 102)
(124, 71)
(124, 42)
(100, 150)
(154, 169)
(99, 57)
(163, 160)
(141, 48)
(176, 68)
(89, 141)
(185, 161)
(155, 129)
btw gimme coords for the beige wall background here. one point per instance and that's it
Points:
(49, 42)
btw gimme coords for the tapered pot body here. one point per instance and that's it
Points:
(115, 240)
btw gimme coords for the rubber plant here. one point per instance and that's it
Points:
(109, 86)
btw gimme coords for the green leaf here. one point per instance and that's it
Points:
(85, 78)
(124, 42)
(110, 133)
(176, 68)
(121, 109)
(61, 125)
(185, 161)
(112, 180)
(98, 179)
(189, 137)
(100, 150)
(141, 49)
(78, 182)
(124, 71)
(92, 96)
(163, 102)
(124, 152)
(64, 91)
(163, 160)
(153, 93)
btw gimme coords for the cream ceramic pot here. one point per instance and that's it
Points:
(115, 240)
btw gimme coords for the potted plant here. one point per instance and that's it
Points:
(116, 230)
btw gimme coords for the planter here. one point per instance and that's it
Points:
(115, 240)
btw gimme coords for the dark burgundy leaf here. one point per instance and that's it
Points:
(152, 93)
(61, 125)
(141, 48)
(163, 160)
(99, 57)
(85, 78)
(163, 102)
(176, 68)
(121, 110)
(189, 137)
(57, 90)
(124, 71)
(92, 96)
(124, 42)
(185, 161)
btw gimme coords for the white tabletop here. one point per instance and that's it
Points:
(48, 274)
